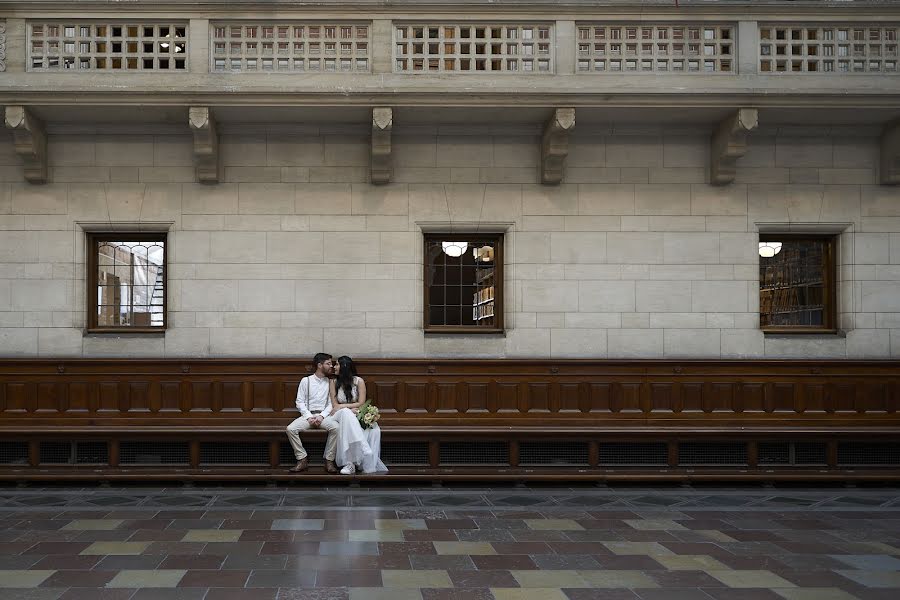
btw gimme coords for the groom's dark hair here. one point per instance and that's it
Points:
(319, 358)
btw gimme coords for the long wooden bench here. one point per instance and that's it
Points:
(459, 419)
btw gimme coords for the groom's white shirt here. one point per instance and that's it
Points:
(312, 395)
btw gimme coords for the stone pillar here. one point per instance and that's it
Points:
(565, 47)
(748, 48)
(198, 46)
(382, 46)
(15, 45)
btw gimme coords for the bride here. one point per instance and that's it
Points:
(356, 447)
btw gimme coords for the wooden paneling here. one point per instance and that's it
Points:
(578, 393)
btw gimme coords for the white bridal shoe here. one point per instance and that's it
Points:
(349, 469)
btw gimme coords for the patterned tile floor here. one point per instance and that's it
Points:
(319, 543)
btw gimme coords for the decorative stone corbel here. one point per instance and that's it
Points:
(890, 154)
(381, 169)
(30, 141)
(729, 143)
(206, 144)
(555, 144)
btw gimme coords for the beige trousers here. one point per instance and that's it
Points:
(301, 424)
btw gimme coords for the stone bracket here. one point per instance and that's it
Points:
(206, 144)
(30, 140)
(889, 173)
(381, 168)
(555, 144)
(729, 143)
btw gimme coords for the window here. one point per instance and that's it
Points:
(463, 283)
(797, 283)
(127, 282)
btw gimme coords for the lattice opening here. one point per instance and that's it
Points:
(154, 453)
(634, 453)
(91, 453)
(315, 451)
(474, 453)
(774, 453)
(869, 453)
(405, 453)
(712, 453)
(56, 453)
(234, 453)
(13, 453)
(553, 453)
(810, 453)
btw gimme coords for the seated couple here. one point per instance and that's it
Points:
(332, 403)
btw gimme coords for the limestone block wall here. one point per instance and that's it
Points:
(634, 255)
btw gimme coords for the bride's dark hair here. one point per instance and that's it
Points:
(346, 376)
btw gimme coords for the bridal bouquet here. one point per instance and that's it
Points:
(367, 415)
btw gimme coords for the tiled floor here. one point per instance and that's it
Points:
(441, 543)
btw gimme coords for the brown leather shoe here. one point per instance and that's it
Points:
(302, 465)
(331, 467)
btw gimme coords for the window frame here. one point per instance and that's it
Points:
(829, 278)
(493, 238)
(93, 241)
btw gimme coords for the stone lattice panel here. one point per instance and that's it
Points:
(2, 46)
(633, 48)
(107, 45)
(792, 48)
(291, 47)
(473, 48)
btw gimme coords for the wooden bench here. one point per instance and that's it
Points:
(477, 420)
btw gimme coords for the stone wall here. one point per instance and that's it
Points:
(633, 256)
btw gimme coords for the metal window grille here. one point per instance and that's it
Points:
(774, 453)
(234, 453)
(154, 453)
(405, 453)
(290, 47)
(634, 453)
(315, 451)
(712, 453)
(91, 453)
(810, 453)
(553, 453)
(14, 453)
(832, 49)
(474, 453)
(107, 45)
(473, 48)
(646, 48)
(56, 453)
(868, 454)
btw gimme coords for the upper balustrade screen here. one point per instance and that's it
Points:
(642, 48)
(106, 45)
(844, 48)
(291, 47)
(473, 48)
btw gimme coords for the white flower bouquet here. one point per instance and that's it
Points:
(367, 415)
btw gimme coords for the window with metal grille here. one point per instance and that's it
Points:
(810, 453)
(106, 45)
(405, 453)
(315, 452)
(127, 282)
(91, 453)
(553, 453)
(646, 48)
(154, 453)
(473, 48)
(774, 453)
(634, 453)
(474, 453)
(56, 453)
(712, 453)
(835, 49)
(290, 47)
(14, 453)
(861, 454)
(234, 453)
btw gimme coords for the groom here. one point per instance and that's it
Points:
(314, 404)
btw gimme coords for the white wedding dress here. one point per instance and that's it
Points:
(355, 445)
